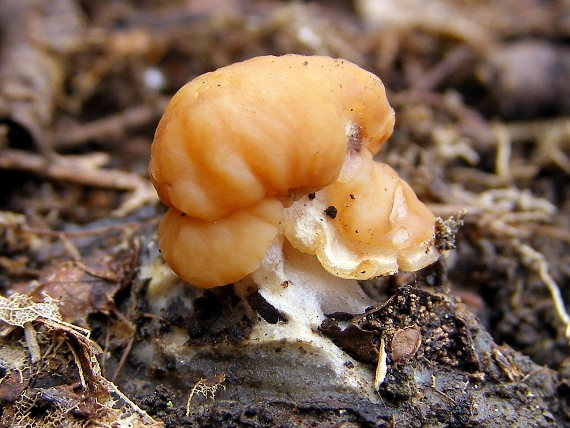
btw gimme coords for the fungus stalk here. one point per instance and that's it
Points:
(297, 285)
(268, 172)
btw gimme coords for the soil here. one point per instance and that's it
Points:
(483, 126)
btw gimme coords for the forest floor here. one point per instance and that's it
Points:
(482, 101)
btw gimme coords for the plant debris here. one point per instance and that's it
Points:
(206, 387)
(59, 382)
(483, 125)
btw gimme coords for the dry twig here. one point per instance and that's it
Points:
(114, 127)
(85, 170)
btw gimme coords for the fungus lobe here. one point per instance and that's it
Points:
(261, 151)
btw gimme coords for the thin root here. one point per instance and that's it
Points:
(536, 261)
(207, 387)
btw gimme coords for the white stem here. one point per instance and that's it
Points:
(297, 285)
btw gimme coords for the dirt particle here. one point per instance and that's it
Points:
(331, 212)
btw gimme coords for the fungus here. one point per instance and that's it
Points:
(267, 170)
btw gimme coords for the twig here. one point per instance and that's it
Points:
(85, 170)
(528, 131)
(109, 127)
(441, 393)
(505, 364)
(123, 359)
(80, 233)
(503, 158)
(453, 60)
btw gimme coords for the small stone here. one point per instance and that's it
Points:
(405, 343)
